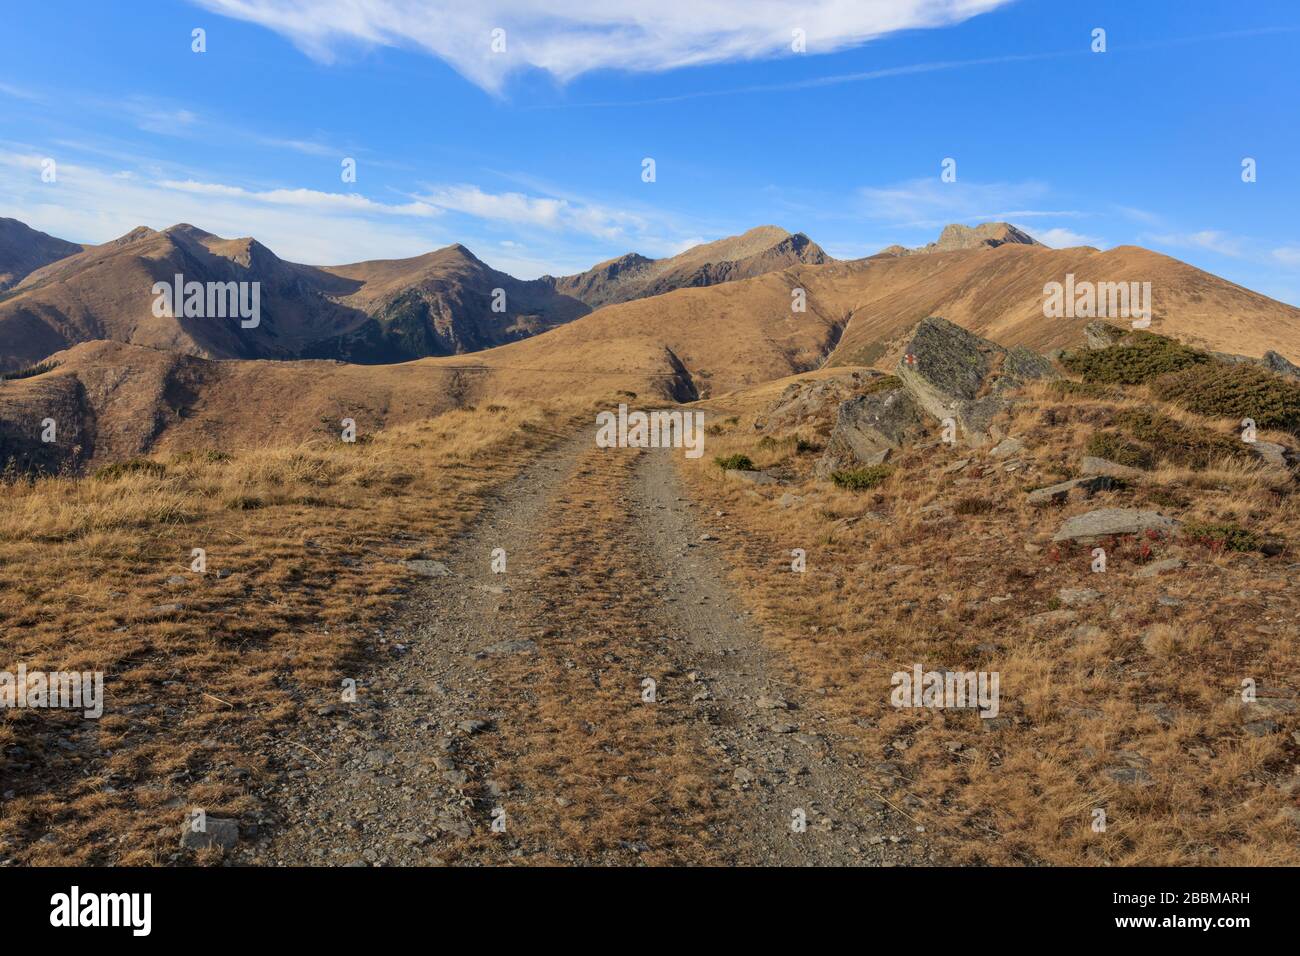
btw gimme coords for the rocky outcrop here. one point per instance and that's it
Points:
(955, 236)
(1109, 522)
(869, 428)
(1102, 335)
(953, 373)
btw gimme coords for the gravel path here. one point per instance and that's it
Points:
(452, 728)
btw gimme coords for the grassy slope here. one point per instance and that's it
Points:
(955, 570)
(302, 544)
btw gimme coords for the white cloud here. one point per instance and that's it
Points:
(93, 205)
(1059, 238)
(577, 36)
(1288, 255)
(929, 202)
(1210, 240)
(304, 198)
(545, 212)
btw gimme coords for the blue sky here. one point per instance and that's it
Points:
(532, 157)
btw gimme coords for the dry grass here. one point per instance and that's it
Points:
(302, 548)
(914, 571)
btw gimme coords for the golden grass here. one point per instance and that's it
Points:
(1122, 685)
(302, 548)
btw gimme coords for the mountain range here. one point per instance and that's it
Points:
(57, 294)
(389, 341)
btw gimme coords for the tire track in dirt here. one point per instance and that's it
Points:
(519, 699)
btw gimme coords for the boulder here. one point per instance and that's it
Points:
(1100, 466)
(1060, 493)
(1272, 454)
(869, 428)
(1106, 522)
(1279, 364)
(1102, 335)
(212, 831)
(749, 477)
(953, 373)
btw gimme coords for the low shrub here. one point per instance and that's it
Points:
(133, 466)
(1241, 391)
(734, 463)
(860, 479)
(1143, 357)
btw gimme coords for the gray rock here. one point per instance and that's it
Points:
(771, 703)
(750, 477)
(956, 374)
(1105, 522)
(508, 647)
(1076, 597)
(1007, 447)
(473, 726)
(1272, 454)
(217, 831)
(1279, 364)
(1102, 335)
(870, 428)
(1060, 493)
(1129, 775)
(426, 568)
(1100, 466)
(1156, 568)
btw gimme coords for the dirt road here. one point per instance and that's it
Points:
(603, 700)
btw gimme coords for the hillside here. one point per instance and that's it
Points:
(23, 250)
(126, 399)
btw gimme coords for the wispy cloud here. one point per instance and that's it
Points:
(1209, 240)
(928, 202)
(1060, 238)
(569, 39)
(89, 204)
(1288, 256)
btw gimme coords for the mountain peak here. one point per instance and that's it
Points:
(955, 236)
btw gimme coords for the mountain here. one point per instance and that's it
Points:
(106, 292)
(987, 235)
(441, 303)
(632, 276)
(121, 400)
(23, 250)
(446, 302)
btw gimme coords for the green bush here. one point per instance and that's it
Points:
(1241, 391)
(860, 479)
(133, 466)
(210, 457)
(1170, 440)
(886, 383)
(1143, 357)
(734, 463)
(1115, 447)
(1225, 537)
